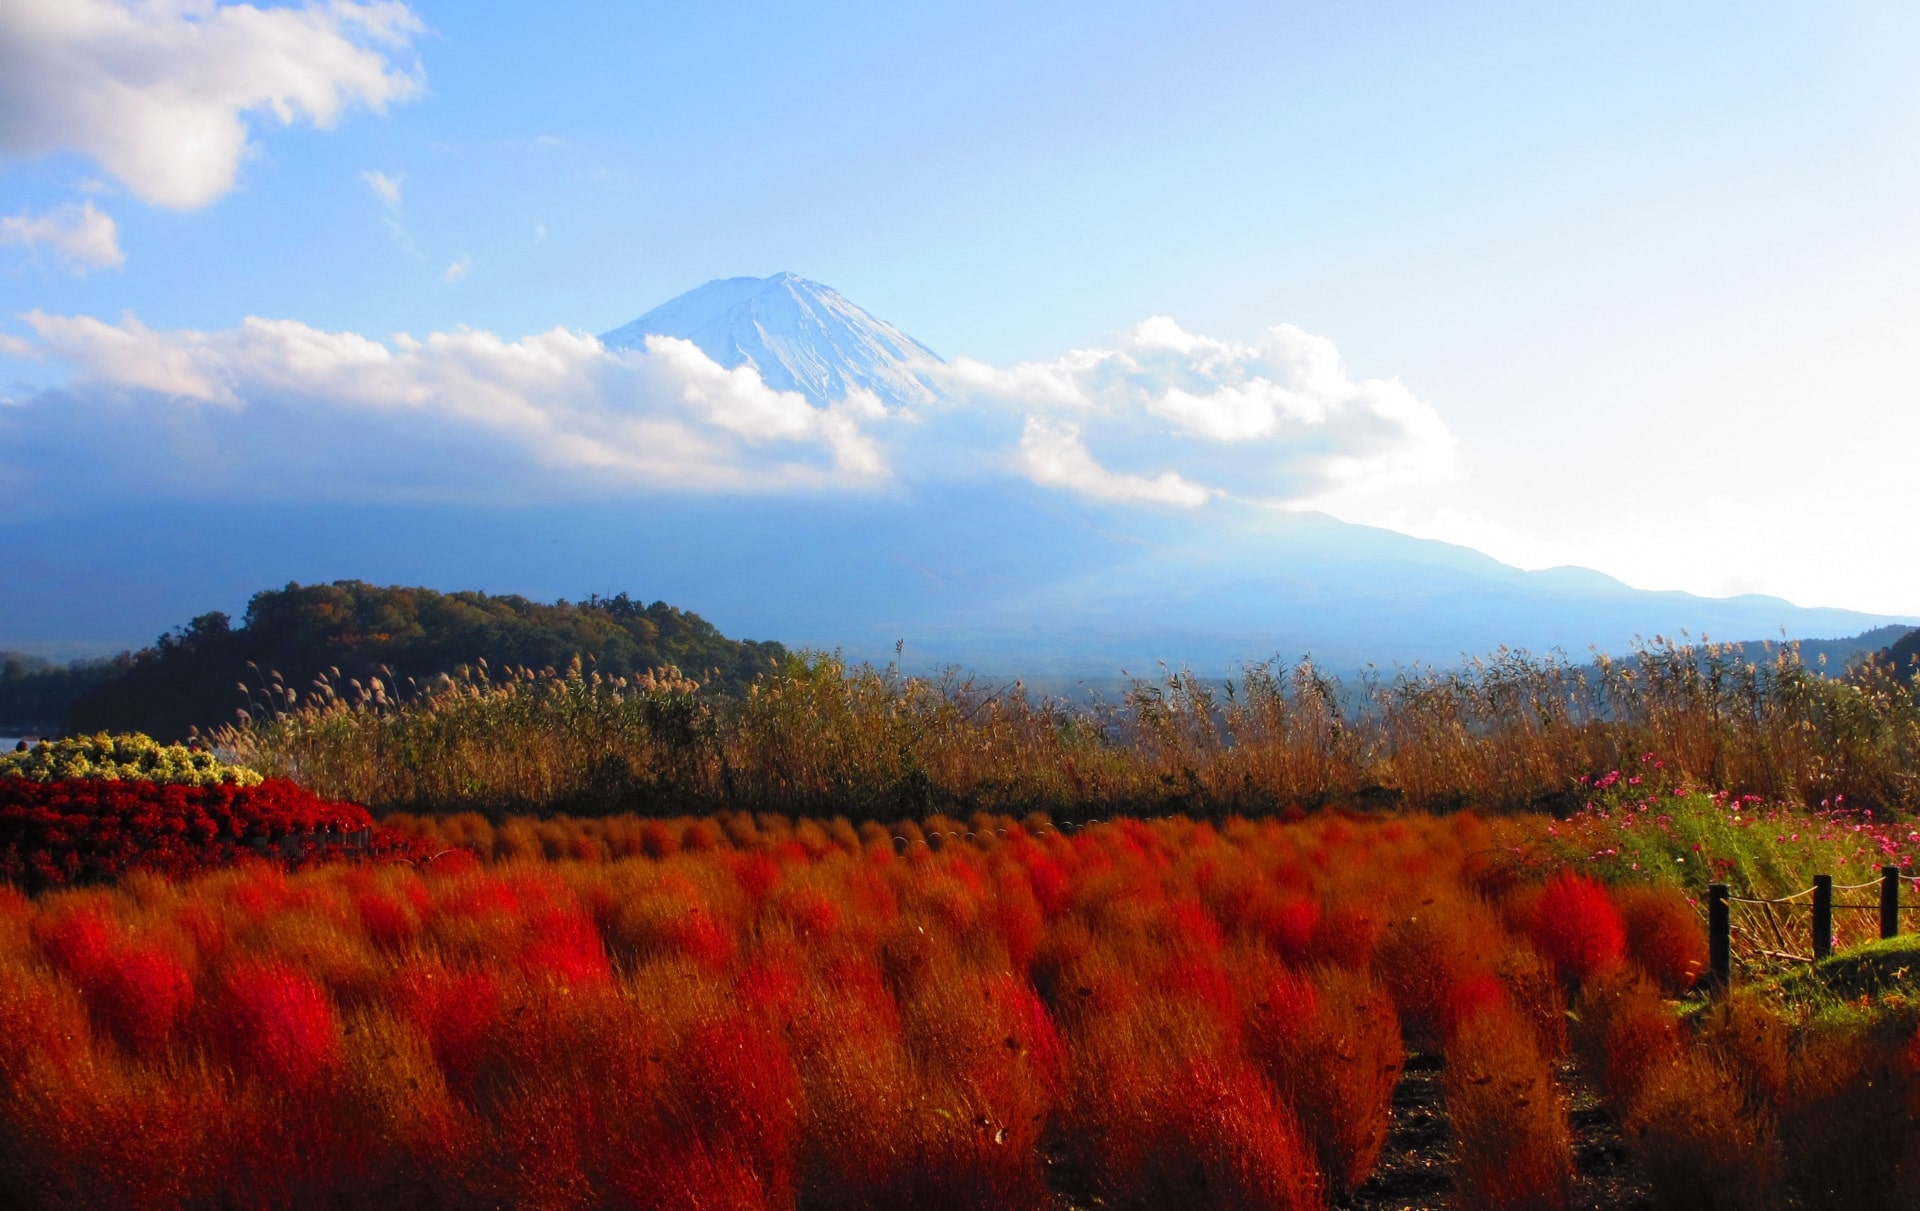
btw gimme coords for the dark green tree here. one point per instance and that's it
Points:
(192, 676)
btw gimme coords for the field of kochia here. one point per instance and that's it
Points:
(755, 1012)
(459, 948)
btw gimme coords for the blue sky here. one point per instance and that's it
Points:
(1654, 267)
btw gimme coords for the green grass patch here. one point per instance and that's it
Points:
(1865, 983)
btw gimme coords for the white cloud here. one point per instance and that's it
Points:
(159, 93)
(1055, 384)
(81, 236)
(458, 269)
(666, 416)
(1165, 417)
(739, 401)
(386, 188)
(1278, 420)
(1052, 453)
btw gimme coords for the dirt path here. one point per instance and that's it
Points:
(1415, 1172)
(1605, 1177)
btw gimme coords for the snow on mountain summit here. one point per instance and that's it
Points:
(800, 335)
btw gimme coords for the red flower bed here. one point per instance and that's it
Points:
(82, 830)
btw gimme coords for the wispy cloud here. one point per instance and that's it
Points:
(160, 94)
(81, 237)
(386, 188)
(458, 268)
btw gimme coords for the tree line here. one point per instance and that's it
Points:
(193, 676)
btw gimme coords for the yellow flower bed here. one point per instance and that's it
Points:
(130, 757)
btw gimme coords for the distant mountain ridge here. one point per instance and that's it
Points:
(800, 335)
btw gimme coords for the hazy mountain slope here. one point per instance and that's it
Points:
(1020, 582)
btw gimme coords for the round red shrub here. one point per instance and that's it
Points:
(1466, 998)
(276, 1022)
(1664, 935)
(658, 841)
(1201, 980)
(1051, 887)
(1347, 933)
(1288, 924)
(386, 920)
(1286, 1012)
(1576, 925)
(813, 915)
(141, 996)
(743, 1095)
(698, 935)
(757, 874)
(80, 943)
(1035, 1035)
(1016, 917)
(1191, 926)
(565, 946)
(1229, 1143)
(456, 1011)
(770, 987)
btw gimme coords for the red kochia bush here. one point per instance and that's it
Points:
(1664, 935)
(1576, 925)
(456, 1010)
(80, 830)
(80, 942)
(277, 1022)
(141, 996)
(742, 1096)
(1229, 1143)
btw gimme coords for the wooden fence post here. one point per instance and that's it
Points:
(1889, 901)
(1822, 916)
(1719, 938)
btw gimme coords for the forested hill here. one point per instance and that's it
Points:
(191, 676)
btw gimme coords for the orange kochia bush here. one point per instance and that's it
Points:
(754, 1012)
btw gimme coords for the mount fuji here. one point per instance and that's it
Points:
(1005, 576)
(801, 336)
(967, 560)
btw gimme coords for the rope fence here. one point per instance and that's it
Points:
(1767, 931)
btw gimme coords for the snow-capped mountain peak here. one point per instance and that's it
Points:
(800, 335)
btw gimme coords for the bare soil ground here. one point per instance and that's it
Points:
(1415, 1172)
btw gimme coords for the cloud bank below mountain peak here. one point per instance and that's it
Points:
(1278, 420)
(557, 402)
(1162, 417)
